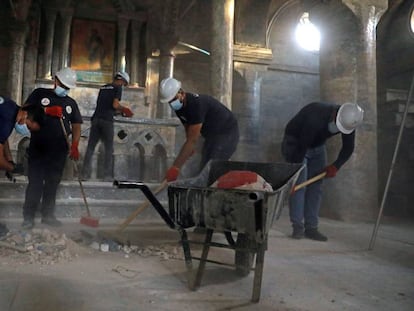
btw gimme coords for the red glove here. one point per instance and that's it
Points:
(172, 173)
(126, 112)
(55, 111)
(74, 151)
(331, 171)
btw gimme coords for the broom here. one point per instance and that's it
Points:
(87, 220)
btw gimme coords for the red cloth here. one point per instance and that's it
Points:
(235, 179)
(54, 111)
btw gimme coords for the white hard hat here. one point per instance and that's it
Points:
(67, 77)
(349, 116)
(169, 87)
(123, 75)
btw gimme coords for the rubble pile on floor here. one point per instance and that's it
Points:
(42, 246)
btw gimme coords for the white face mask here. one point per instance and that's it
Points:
(60, 91)
(22, 129)
(332, 128)
(176, 105)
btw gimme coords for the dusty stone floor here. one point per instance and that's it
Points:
(341, 274)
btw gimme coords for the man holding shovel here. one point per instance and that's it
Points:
(201, 115)
(48, 147)
(304, 142)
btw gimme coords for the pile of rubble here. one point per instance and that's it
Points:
(41, 246)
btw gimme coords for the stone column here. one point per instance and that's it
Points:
(348, 74)
(47, 54)
(135, 37)
(222, 50)
(67, 15)
(121, 47)
(166, 71)
(18, 32)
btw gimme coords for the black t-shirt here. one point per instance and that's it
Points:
(104, 105)
(214, 116)
(51, 135)
(309, 127)
(8, 114)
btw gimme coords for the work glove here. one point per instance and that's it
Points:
(126, 112)
(74, 151)
(331, 171)
(172, 173)
(55, 111)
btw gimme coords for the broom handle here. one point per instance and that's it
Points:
(309, 181)
(141, 208)
(75, 166)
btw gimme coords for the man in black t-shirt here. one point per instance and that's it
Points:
(304, 142)
(48, 148)
(102, 123)
(201, 115)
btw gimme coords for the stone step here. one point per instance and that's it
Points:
(104, 199)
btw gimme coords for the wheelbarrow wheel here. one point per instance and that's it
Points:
(243, 259)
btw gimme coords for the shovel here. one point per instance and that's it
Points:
(308, 182)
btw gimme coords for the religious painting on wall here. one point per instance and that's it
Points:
(92, 50)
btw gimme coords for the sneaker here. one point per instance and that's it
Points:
(297, 233)
(314, 234)
(28, 224)
(51, 221)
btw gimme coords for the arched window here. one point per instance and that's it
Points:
(307, 35)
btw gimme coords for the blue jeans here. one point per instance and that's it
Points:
(305, 203)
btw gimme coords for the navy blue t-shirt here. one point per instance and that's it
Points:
(104, 105)
(309, 128)
(216, 118)
(51, 135)
(8, 114)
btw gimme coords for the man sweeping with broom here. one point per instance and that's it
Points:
(48, 147)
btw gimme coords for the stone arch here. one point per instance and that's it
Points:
(136, 162)
(158, 163)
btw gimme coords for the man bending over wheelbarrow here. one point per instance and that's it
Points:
(304, 142)
(201, 115)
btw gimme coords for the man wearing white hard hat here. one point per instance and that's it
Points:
(201, 115)
(48, 148)
(304, 142)
(102, 123)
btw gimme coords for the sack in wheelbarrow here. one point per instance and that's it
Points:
(192, 202)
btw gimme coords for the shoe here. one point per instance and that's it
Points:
(297, 233)
(51, 221)
(314, 234)
(28, 224)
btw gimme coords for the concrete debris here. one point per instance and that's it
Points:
(39, 246)
(164, 252)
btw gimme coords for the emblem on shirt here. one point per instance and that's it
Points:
(45, 101)
(68, 109)
(1, 100)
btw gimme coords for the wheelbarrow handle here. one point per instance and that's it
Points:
(309, 181)
(150, 196)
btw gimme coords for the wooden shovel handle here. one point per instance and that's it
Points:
(309, 181)
(141, 208)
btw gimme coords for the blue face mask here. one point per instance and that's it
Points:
(22, 129)
(60, 91)
(176, 104)
(332, 128)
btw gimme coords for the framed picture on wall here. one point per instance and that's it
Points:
(92, 50)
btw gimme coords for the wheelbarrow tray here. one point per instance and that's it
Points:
(192, 202)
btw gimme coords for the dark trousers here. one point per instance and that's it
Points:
(45, 173)
(220, 147)
(100, 130)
